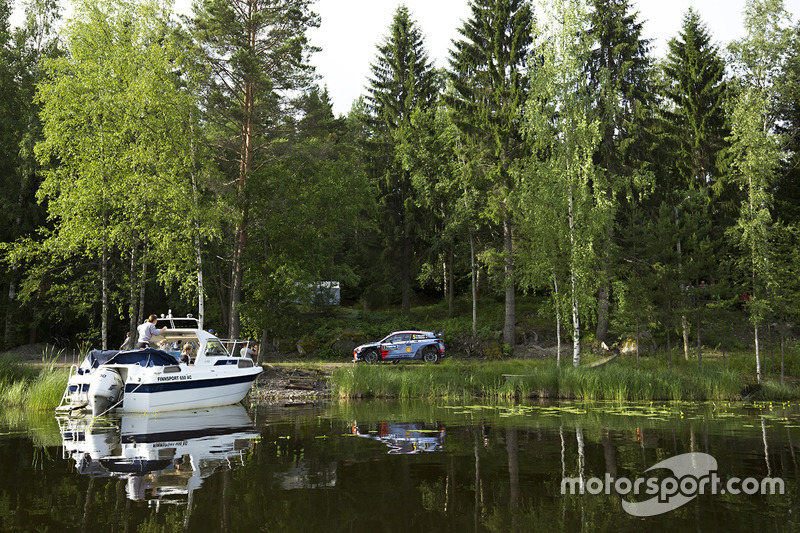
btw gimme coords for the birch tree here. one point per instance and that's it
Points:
(562, 125)
(116, 163)
(756, 147)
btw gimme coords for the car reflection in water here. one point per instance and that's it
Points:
(164, 456)
(404, 437)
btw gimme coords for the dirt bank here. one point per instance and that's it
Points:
(291, 384)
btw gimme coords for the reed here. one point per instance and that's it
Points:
(519, 379)
(46, 390)
(22, 386)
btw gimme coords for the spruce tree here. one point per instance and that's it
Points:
(696, 91)
(618, 68)
(402, 81)
(489, 74)
(696, 126)
(22, 52)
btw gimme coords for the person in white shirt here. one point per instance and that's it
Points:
(249, 352)
(147, 330)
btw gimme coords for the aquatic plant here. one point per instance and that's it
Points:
(45, 391)
(22, 386)
(508, 380)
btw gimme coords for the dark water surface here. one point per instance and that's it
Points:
(377, 466)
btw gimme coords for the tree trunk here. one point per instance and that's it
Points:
(602, 310)
(142, 287)
(758, 356)
(558, 318)
(9, 334)
(636, 307)
(685, 326)
(201, 300)
(474, 275)
(781, 334)
(576, 321)
(245, 167)
(509, 331)
(406, 273)
(699, 341)
(451, 293)
(104, 306)
(668, 321)
(134, 299)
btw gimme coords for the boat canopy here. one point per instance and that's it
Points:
(146, 357)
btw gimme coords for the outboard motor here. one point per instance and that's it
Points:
(105, 390)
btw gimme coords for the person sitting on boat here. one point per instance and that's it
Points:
(163, 345)
(147, 330)
(188, 353)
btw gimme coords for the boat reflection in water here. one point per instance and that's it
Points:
(164, 456)
(403, 438)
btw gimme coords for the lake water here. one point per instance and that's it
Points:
(402, 466)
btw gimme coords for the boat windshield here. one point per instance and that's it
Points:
(214, 348)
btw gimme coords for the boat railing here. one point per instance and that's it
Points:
(62, 405)
(234, 346)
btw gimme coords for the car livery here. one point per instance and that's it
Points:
(402, 345)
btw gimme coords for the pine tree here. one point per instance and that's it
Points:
(489, 74)
(259, 54)
(402, 81)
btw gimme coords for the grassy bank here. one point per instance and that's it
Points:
(510, 380)
(24, 386)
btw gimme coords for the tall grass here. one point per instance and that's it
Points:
(21, 385)
(518, 379)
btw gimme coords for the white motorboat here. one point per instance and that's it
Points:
(163, 457)
(151, 380)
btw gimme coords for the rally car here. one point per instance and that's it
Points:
(401, 345)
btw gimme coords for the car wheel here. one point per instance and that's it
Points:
(430, 355)
(371, 357)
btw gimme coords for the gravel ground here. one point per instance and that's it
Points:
(290, 384)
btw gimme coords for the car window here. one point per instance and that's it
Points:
(404, 337)
(391, 340)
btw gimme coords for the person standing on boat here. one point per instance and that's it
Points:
(147, 330)
(249, 352)
(127, 344)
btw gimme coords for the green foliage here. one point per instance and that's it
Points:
(489, 66)
(402, 82)
(694, 74)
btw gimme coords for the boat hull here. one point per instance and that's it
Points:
(192, 390)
